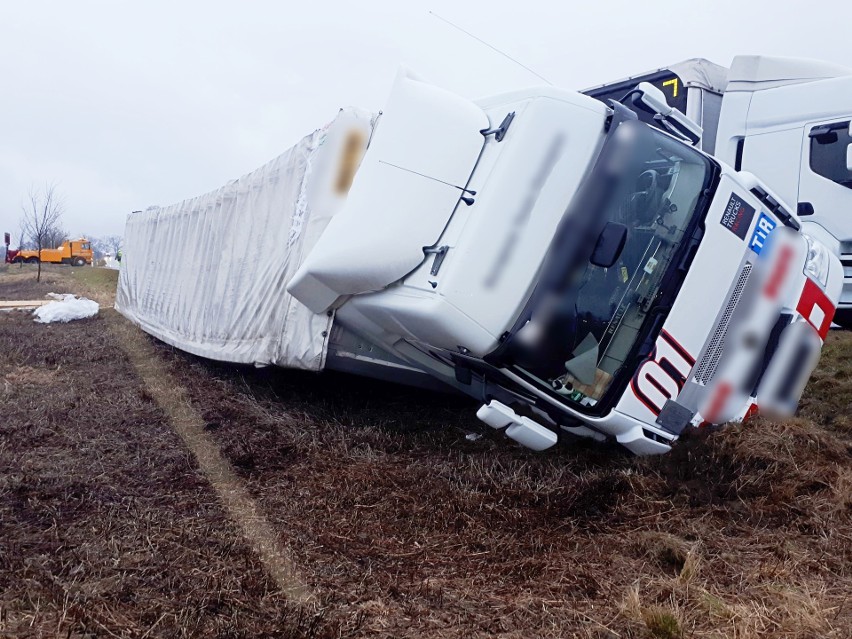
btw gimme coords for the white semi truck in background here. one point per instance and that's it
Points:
(572, 268)
(786, 120)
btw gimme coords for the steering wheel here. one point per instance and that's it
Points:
(645, 202)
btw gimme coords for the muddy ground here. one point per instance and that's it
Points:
(146, 492)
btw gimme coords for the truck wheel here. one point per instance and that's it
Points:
(843, 318)
(78, 261)
(31, 260)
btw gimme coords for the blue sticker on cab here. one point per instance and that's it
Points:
(764, 226)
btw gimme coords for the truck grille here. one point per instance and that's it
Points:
(706, 368)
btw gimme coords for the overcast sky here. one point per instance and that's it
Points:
(128, 104)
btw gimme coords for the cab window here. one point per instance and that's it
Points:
(829, 149)
(86, 246)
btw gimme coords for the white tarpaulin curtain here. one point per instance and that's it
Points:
(209, 274)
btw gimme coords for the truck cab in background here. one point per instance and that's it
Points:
(788, 121)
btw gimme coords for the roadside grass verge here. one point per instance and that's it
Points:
(402, 526)
(414, 530)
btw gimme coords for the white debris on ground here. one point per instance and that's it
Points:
(66, 308)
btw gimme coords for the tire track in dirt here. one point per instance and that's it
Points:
(231, 490)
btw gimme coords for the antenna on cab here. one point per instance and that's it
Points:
(492, 47)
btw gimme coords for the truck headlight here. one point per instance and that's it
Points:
(817, 260)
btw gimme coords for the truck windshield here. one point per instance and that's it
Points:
(653, 187)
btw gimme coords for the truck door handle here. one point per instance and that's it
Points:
(439, 253)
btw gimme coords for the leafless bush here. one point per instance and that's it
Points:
(41, 215)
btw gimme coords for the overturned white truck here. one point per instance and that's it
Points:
(572, 268)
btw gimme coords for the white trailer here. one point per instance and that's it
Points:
(787, 120)
(570, 267)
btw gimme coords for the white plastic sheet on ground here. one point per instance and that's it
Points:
(65, 308)
(208, 275)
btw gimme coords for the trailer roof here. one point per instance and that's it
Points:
(695, 72)
(758, 72)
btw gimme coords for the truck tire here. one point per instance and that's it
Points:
(78, 261)
(31, 260)
(843, 318)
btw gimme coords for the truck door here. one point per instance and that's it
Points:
(825, 193)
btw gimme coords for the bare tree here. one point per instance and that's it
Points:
(113, 243)
(106, 245)
(24, 242)
(42, 213)
(55, 237)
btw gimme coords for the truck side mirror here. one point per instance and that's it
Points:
(649, 98)
(609, 245)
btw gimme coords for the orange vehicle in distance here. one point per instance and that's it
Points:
(75, 252)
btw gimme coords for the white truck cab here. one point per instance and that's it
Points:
(572, 267)
(787, 120)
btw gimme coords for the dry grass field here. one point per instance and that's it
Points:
(149, 493)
